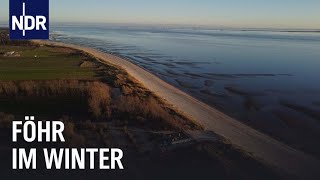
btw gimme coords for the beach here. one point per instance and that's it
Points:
(159, 90)
(256, 77)
(262, 147)
(102, 105)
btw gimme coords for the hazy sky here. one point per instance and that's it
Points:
(228, 13)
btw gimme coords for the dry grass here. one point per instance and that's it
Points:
(88, 64)
(50, 88)
(97, 93)
(126, 90)
(99, 99)
(133, 104)
(150, 108)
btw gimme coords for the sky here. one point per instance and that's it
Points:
(304, 14)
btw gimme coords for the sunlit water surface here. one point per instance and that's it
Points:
(267, 79)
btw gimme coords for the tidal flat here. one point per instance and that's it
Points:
(101, 105)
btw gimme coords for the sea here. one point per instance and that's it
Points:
(266, 78)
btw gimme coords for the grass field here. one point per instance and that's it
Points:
(42, 63)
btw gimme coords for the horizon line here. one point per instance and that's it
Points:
(214, 27)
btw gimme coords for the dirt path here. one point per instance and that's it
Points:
(276, 154)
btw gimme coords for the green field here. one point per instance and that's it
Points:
(42, 63)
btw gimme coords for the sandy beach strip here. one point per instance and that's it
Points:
(262, 147)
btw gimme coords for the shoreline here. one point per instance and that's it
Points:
(262, 147)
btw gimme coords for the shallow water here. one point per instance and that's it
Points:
(266, 79)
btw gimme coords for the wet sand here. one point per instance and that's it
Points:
(276, 154)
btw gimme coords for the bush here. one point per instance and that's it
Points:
(99, 100)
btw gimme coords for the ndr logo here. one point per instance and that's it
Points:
(29, 19)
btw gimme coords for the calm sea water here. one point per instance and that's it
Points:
(266, 79)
